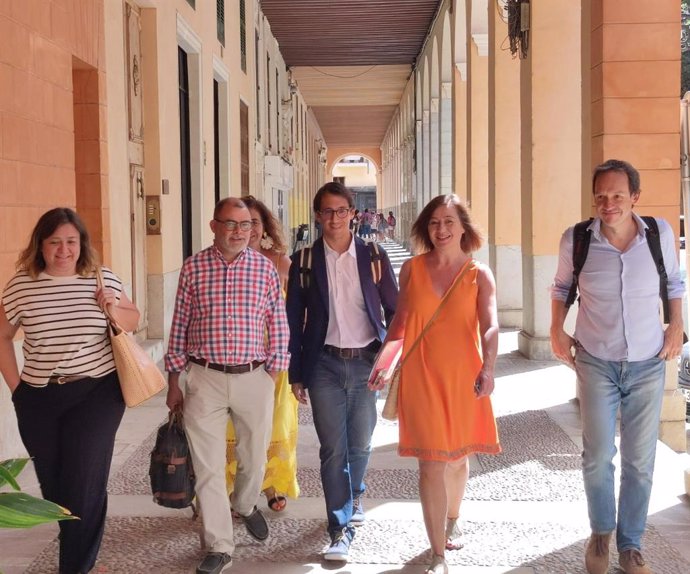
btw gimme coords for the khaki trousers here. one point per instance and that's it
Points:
(211, 397)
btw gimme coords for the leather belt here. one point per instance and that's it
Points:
(356, 353)
(228, 369)
(62, 379)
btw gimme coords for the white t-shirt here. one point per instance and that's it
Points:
(65, 331)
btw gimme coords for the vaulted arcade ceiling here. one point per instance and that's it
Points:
(351, 59)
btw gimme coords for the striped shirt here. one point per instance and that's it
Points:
(228, 312)
(65, 331)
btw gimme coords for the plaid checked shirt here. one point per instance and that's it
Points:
(229, 313)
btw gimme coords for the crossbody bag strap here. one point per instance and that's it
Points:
(446, 296)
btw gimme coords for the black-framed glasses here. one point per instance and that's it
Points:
(341, 212)
(231, 224)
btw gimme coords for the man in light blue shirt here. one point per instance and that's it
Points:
(620, 347)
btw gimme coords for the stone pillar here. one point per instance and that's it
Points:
(460, 131)
(419, 163)
(635, 78)
(504, 165)
(479, 136)
(551, 120)
(426, 147)
(446, 138)
(434, 148)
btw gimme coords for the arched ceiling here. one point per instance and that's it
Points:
(351, 59)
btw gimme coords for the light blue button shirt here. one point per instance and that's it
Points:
(618, 318)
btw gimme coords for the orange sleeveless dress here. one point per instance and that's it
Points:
(439, 415)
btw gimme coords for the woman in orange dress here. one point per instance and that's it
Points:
(444, 407)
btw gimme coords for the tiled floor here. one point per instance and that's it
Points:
(504, 532)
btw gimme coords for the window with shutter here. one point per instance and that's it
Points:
(243, 36)
(220, 20)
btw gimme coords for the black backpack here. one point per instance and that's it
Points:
(581, 239)
(171, 471)
(305, 261)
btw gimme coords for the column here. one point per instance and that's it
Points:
(635, 78)
(551, 105)
(504, 169)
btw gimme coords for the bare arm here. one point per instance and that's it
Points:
(174, 399)
(561, 342)
(488, 330)
(397, 327)
(8, 360)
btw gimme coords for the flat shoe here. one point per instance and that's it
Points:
(277, 503)
(438, 565)
(453, 534)
(256, 524)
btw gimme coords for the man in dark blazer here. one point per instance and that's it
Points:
(336, 309)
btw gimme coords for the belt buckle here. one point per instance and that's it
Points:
(62, 379)
(347, 353)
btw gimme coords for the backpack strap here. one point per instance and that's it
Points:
(581, 239)
(375, 262)
(304, 267)
(654, 243)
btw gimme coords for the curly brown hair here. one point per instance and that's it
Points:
(269, 221)
(471, 239)
(31, 259)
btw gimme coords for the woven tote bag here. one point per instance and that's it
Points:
(139, 376)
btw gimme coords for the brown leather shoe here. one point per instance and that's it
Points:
(597, 553)
(631, 562)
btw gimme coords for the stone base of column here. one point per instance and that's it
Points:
(672, 422)
(510, 318)
(536, 348)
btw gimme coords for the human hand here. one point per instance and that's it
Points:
(673, 342)
(561, 346)
(175, 399)
(105, 296)
(378, 382)
(484, 384)
(273, 375)
(300, 392)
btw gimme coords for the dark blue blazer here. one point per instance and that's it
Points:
(307, 308)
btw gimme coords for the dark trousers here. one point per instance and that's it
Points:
(69, 431)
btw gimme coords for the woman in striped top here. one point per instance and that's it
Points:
(67, 398)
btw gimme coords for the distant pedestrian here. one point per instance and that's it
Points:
(391, 225)
(619, 351)
(448, 374)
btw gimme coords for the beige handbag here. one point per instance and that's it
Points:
(139, 376)
(390, 407)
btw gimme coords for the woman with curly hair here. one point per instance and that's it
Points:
(280, 479)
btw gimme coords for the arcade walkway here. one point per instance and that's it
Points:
(524, 512)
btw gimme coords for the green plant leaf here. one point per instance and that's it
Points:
(11, 468)
(21, 510)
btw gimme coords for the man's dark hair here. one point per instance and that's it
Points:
(334, 188)
(620, 166)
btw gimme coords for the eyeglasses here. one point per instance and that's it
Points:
(341, 212)
(231, 224)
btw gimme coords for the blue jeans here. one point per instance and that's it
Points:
(344, 412)
(637, 387)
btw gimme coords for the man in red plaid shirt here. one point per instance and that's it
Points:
(230, 335)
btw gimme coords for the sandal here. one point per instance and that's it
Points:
(438, 565)
(276, 502)
(453, 534)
